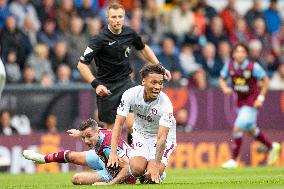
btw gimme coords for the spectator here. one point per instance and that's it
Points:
(272, 17)
(93, 27)
(6, 127)
(181, 20)
(51, 124)
(46, 80)
(277, 80)
(75, 40)
(255, 53)
(195, 39)
(11, 38)
(4, 13)
(21, 9)
(49, 35)
(192, 70)
(278, 41)
(13, 73)
(152, 21)
(63, 75)
(28, 77)
(215, 32)
(254, 13)
(168, 57)
(46, 10)
(199, 18)
(59, 55)
(209, 11)
(241, 33)
(229, 16)
(86, 10)
(224, 51)
(65, 11)
(211, 63)
(30, 31)
(38, 60)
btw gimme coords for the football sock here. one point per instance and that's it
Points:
(59, 157)
(236, 147)
(260, 137)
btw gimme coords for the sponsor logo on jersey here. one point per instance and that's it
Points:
(127, 52)
(111, 43)
(146, 118)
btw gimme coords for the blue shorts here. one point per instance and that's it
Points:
(246, 119)
(95, 162)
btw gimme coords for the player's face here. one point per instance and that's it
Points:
(240, 54)
(153, 84)
(115, 18)
(90, 137)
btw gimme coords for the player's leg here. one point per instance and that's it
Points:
(257, 134)
(240, 125)
(86, 178)
(170, 147)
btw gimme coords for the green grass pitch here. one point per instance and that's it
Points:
(262, 177)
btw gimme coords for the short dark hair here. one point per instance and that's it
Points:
(240, 45)
(89, 123)
(114, 6)
(152, 68)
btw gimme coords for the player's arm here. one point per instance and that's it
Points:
(85, 72)
(113, 160)
(122, 111)
(123, 173)
(223, 81)
(260, 74)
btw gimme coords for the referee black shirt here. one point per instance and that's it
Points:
(111, 53)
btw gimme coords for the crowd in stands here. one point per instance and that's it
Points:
(41, 40)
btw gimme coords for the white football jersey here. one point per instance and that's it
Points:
(2, 77)
(148, 116)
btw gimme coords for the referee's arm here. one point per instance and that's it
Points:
(85, 72)
(149, 55)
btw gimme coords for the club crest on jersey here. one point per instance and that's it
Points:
(154, 111)
(247, 74)
(127, 52)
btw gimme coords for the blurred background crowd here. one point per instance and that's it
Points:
(41, 40)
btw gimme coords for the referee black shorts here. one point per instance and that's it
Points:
(107, 105)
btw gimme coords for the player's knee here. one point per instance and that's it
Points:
(77, 179)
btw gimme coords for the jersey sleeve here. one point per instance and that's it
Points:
(125, 103)
(224, 73)
(138, 43)
(258, 72)
(167, 118)
(92, 49)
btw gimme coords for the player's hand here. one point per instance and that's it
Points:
(168, 75)
(100, 184)
(153, 172)
(73, 132)
(113, 160)
(227, 90)
(257, 104)
(101, 90)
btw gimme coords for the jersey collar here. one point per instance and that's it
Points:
(100, 142)
(243, 65)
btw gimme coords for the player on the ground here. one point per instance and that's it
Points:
(245, 75)
(2, 77)
(154, 128)
(110, 49)
(98, 140)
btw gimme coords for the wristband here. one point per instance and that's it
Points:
(261, 98)
(95, 83)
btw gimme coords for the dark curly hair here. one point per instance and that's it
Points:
(152, 68)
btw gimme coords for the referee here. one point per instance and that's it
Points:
(110, 49)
